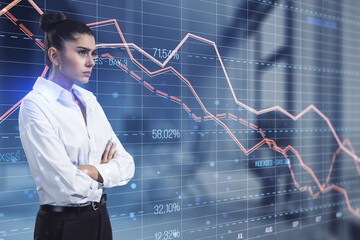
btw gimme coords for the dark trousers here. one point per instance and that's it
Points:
(91, 225)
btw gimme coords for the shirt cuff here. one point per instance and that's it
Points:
(93, 183)
(100, 185)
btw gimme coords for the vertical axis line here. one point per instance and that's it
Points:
(216, 126)
(247, 116)
(142, 123)
(300, 194)
(275, 134)
(181, 125)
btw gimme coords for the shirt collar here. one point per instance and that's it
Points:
(51, 91)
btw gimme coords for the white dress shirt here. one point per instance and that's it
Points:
(56, 140)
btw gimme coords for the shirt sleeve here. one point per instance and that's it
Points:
(50, 165)
(119, 170)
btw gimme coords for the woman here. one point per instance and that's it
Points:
(72, 151)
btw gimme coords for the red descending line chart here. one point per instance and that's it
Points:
(164, 68)
(224, 106)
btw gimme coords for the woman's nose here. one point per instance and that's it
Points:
(90, 61)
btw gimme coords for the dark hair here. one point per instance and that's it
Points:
(58, 28)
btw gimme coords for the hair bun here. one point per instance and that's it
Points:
(48, 20)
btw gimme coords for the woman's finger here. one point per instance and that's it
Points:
(112, 150)
(105, 155)
(108, 149)
(115, 154)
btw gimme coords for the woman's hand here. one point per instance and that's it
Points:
(109, 152)
(91, 171)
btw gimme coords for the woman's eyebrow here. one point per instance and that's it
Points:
(87, 49)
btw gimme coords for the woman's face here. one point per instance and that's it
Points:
(76, 60)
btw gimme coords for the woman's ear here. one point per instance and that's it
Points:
(54, 56)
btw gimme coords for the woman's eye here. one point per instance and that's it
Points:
(81, 52)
